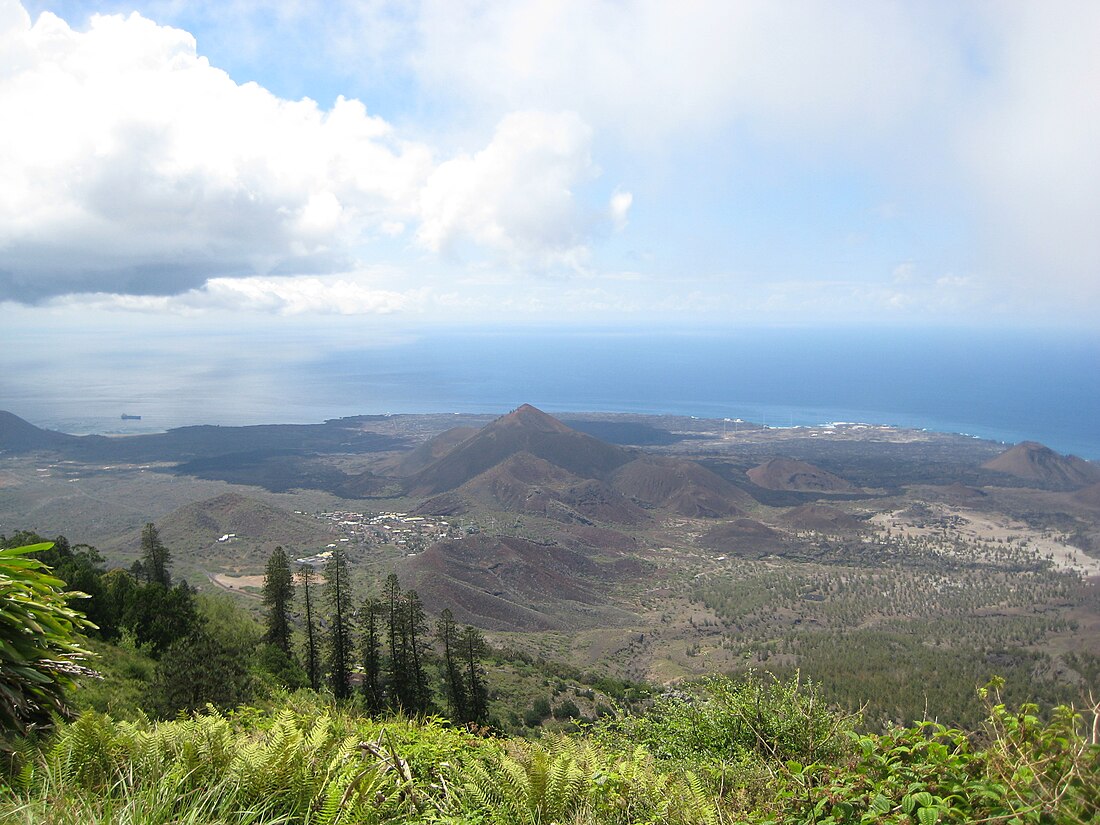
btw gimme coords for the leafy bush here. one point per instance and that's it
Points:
(567, 710)
(1030, 772)
(40, 645)
(539, 710)
(758, 717)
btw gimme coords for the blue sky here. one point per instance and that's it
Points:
(371, 164)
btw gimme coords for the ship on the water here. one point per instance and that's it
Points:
(126, 417)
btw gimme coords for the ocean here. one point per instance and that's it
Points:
(1007, 386)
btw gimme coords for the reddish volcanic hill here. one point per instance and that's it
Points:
(1089, 496)
(525, 430)
(822, 519)
(508, 583)
(433, 449)
(1032, 461)
(524, 483)
(797, 476)
(518, 483)
(745, 538)
(593, 500)
(682, 486)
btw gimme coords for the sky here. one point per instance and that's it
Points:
(363, 164)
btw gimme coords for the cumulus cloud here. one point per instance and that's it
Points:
(987, 109)
(515, 195)
(133, 166)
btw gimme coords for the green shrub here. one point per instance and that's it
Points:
(567, 710)
(317, 766)
(1030, 772)
(565, 779)
(40, 645)
(757, 717)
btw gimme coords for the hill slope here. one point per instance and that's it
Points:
(797, 476)
(509, 583)
(745, 538)
(525, 430)
(821, 518)
(192, 532)
(432, 450)
(17, 436)
(683, 487)
(1033, 461)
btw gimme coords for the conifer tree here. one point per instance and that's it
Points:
(313, 663)
(474, 647)
(278, 592)
(338, 596)
(371, 617)
(155, 557)
(159, 616)
(396, 665)
(454, 684)
(416, 629)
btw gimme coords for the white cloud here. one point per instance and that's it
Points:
(904, 272)
(515, 196)
(618, 209)
(333, 295)
(967, 132)
(985, 113)
(1030, 150)
(654, 69)
(133, 166)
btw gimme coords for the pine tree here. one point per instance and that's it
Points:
(313, 664)
(338, 596)
(416, 629)
(396, 666)
(155, 557)
(278, 592)
(371, 617)
(199, 669)
(473, 648)
(454, 685)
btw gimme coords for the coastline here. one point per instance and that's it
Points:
(797, 423)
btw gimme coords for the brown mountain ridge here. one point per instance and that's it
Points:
(524, 430)
(510, 583)
(1032, 461)
(684, 487)
(797, 476)
(529, 462)
(524, 483)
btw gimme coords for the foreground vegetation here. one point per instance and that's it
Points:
(758, 749)
(755, 750)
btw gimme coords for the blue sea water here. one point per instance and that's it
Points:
(1004, 385)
